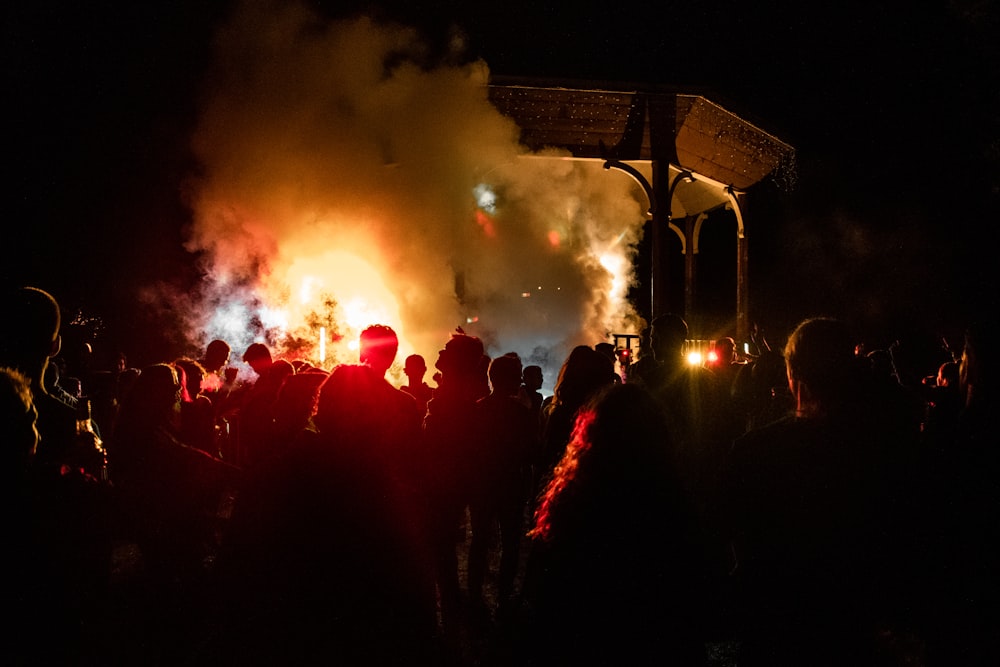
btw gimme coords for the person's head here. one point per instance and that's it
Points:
(297, 399)
(947, 375)
(216, 356)
(258, 357)
(619, 442)
(667, 334)
(415, 368)
(821, 364)
(19, 417)
(462, 356)
(194, 375)
(30, 336)
(533, 377)
(505, 375)
(978, 366)
(725, 347)
(378, 345)
(607, 349)
(154, 397)
(584, 371)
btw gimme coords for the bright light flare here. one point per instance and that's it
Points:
(616, 264)
(344, 292)
(486, 198)
(695, 358)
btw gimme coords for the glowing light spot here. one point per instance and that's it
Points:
(554, 239)
(486, 199)
(486, 223)
(273, 318)
(694, 358)
(308, 288)
(345, 292)
(615, 264)
(526, 295)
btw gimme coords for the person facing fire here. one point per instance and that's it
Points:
(377, 347)
(415, 369)
(507, 439)
(401, 415)
(449, 430)
(700, 434)
(688, 393)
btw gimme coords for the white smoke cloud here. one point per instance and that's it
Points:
(334, 159)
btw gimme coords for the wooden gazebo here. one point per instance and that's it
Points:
(690, 155)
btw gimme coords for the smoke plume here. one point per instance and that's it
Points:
(345, 181)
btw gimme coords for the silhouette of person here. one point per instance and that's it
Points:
(812, 508)
(324, 556)
(944, 406)
(507, 433)
(608, 350)
(762, 386)
(415, 368)
(727, 364)
(19, 418)
(255, 413)
(584, 371)
(533, 378)
(601, 586)
(294, 409)
(170, 489)
(258, 357)
(25, 584)
(403, 417)
(447, 464)
(30, 345)
(216, 360)
(697, 414)
(963, 514)
(197, 418)
(219, 385)
(70, 514)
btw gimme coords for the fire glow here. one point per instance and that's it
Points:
(343, 185)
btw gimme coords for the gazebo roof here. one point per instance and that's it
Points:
(638, 125)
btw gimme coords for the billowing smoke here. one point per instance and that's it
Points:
(345, 182)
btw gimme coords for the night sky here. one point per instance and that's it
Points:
(893, 108)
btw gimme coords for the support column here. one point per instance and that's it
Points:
(660, 278)
(742, 266)
(690, 267)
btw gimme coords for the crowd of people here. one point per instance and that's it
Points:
(815, 505)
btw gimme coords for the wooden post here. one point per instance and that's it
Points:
(742, 270)
(690, 270)
(660, 276)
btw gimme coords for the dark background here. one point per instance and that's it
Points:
(892, 107)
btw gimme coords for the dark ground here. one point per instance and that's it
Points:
(132, 633)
